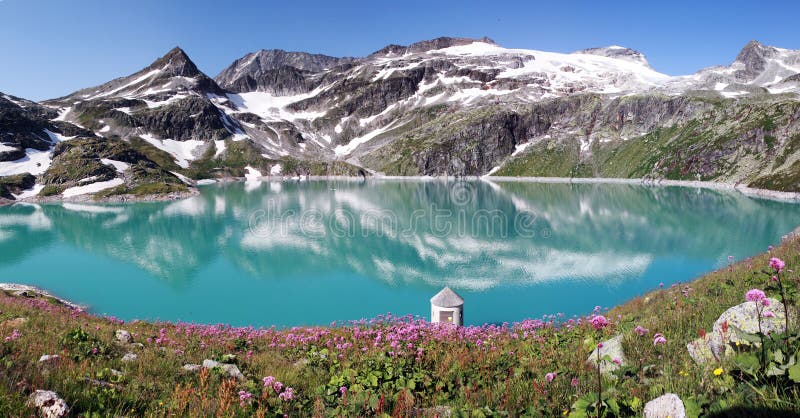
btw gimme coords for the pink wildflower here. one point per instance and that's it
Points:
(776, 264)
(550, 376)
(287, 395)
(574, 382)
(599, 322)
(659, 339)
(342, 390)
(769, 314)
(14, 335)
(245, 398)
(641, 330)
(756, 295)
(268, 381)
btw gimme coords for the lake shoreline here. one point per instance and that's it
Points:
(747, 191)
(23, 290)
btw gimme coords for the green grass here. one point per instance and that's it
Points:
(546, 159)
(160, 157)
(52, 190)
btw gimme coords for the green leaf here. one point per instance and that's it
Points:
(613, 405)
(778, 356)
(794, 373)
(747, 362)
(478, 413)
(775, 370)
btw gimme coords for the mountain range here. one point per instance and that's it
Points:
(447, 106)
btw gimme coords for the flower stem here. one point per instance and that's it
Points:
(599, 384)
(761, 336)
(785, 308)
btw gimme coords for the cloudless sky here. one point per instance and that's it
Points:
(49, 48)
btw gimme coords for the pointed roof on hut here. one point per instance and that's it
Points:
(447, 298)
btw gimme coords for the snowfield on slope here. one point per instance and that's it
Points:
(92, 188)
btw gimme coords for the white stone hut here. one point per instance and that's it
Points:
(447, 307)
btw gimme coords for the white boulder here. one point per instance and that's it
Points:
(666, 406)
(49, 404)
(612, 348)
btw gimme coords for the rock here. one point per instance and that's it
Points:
(123, 336)
(49, 404)
(24, 293)
(14, 323)
(230, 369)
(700, 350)
(742, 318)
(612, 348)
(436, 411)
(666, 406)
(48, 358)
(192, 367)
(129, 358)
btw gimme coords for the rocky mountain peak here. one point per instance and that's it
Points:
(176, 63)
(618, 52)
(263, 69)
(755, 53)
(753, 60)
(270, 59)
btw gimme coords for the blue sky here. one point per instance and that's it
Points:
(53, 47)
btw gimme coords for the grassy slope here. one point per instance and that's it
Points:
(491, 371)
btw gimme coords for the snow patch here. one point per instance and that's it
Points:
(92, 188)
(30, 192)
(355, 142)
(271, 107)
(520, 148)
(252, 174)
(183, 151)
(173, 99)
(276, 170)
(35, 162)
(220, 148)
(56, 137)
(183, 178)
(62, 114)
(493, 170)
(132, 83)
(4, 148)
(120, 166)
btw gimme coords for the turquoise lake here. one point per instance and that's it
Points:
(309, 253)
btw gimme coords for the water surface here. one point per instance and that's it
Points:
(300, 253)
